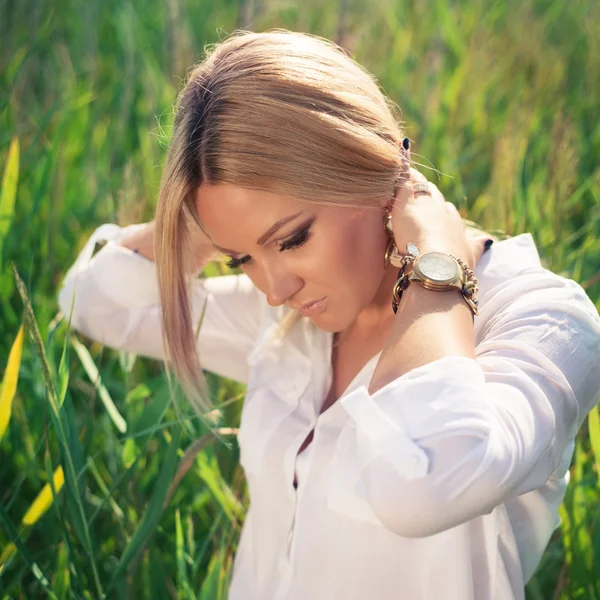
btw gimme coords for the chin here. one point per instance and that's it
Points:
(325, 327)
(329, 325)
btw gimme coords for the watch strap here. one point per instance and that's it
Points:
(467, 287)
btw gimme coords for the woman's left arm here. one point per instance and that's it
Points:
(453, 438)
(446, 431)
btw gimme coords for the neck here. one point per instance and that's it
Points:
(377, 315)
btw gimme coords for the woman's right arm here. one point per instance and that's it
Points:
(142, 242)
(115, 300)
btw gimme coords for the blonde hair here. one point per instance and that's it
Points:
(282, 112)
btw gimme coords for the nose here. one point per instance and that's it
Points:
(280, 285)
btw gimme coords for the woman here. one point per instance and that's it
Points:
(403, 436)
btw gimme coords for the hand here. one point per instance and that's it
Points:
(432, 223)
(201, 250)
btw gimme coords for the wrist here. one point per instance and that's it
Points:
(428, 300)
(447, 313)
(446, 247)
(436, 271)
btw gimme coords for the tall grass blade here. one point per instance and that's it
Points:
(71, 475)
(92, 370)
(594, 429)
(24, 553)
(188, 459)
(213, 584)
(104, 489)
(158, 575)
(61, 582)
(9, 550)
(8, 193)
(154, 511)
(63, 367)
(151, 416)
(208, 469)
(44, 499)
(9, 381)
(183, 587)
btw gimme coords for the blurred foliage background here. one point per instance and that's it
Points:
(502, 97)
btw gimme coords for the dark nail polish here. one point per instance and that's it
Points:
(405, 144)
(488, 244)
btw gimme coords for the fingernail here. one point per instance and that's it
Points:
(488, 244)
(405, 143)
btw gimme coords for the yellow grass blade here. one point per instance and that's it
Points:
(44, 499)
(9, 382)
(594, 431)
(8, 191)
(7, 552)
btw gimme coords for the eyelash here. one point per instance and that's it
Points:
(296, 241)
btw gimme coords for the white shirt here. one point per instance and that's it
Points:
(445, 484)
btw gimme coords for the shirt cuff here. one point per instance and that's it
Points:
(123, 276)
(384, 420)
(126, 277)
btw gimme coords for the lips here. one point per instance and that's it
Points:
(308, 304)
(314, 308)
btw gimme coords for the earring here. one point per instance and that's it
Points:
(391, 256)
(387, 222)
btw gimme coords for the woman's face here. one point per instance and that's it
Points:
(319, 251)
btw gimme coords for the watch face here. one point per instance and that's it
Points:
(438, 267)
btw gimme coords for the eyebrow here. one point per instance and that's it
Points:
(266, 236)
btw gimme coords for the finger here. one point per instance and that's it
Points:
(435, 192)
(418, 180)
(475, 231)
(404, 192)
(481, 244)
(451, 208)
(417, 176)
(421, 188)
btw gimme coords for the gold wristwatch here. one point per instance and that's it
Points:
(436, 271)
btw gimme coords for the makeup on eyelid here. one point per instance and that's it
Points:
(295, 241)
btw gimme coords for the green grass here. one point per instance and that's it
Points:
(502, 97)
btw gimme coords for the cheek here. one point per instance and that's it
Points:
(356, 256)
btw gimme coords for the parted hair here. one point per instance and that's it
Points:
(282, 112)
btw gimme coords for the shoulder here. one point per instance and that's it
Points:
(528, 314)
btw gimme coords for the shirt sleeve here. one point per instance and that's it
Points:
(453, 439)
(116, 302)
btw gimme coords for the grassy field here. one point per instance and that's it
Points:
(502, 97)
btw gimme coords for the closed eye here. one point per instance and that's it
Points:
(294, 242)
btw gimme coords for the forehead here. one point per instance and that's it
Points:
(235, 217)
(215, 203)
